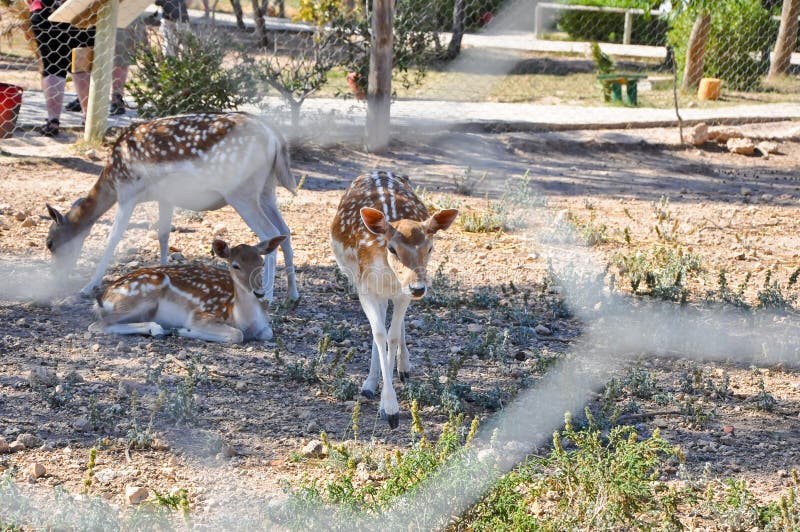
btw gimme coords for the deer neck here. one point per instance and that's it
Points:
(97, 202)
(247, 310)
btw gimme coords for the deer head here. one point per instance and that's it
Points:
(408, 245)
(246, 263)
(65, 238)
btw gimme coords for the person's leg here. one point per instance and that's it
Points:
(52, 45)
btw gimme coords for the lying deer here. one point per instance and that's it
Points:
(200, 162)
(197, 301)
(382, 238)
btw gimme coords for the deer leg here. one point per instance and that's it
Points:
(124, 211)
(398, 328)
(274, 215)
(370, 385)
(164, 226)
(390, 409)
(252, 214)
(143, 327)
(212, 332)
(396, 342)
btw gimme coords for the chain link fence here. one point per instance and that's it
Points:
(173, 59)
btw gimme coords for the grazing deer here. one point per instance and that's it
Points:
(382, 238)
(200, 162)
(198, 301)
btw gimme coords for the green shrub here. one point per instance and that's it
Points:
(741, 30)
(589, 481)
(610, 27)
(195, 80)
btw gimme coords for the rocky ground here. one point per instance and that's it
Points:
(222, 420)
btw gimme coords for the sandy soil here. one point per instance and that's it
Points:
(737, 213)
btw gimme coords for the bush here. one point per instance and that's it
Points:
(741, 31)
(192, 81)
(610, 27)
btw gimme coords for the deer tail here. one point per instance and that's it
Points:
(283, 167)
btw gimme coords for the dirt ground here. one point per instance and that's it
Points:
(253, 412)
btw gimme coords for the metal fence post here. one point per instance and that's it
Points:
(99, 99)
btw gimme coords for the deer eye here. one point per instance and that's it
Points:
(392, 250)
(236, 266)
(50, 244)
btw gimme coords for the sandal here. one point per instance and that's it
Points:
(117, 105)
(74, 106)
(50, 128)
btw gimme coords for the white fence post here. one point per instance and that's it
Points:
(104, 43)
(626, 39)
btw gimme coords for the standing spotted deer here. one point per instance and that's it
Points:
(200, 162)
(197, 301)
(382, 238)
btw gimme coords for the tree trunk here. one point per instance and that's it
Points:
(237, 10)
(459, 14)
(261, 28)
(696, 50)
(787, 38)
(379, 92)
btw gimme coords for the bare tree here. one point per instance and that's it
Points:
(459, 16)
(696, 50)
(787, 38)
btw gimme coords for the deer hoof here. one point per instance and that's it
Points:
(369, 394)
(404, 376)
(393, 419)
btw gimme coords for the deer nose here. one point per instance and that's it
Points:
(258, 293)
(417, 290)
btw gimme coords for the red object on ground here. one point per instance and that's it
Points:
(486, 18)
(10, 102)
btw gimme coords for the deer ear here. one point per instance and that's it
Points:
(221, 249)
(441, 220)
(56, 216)
(374, 220)
(268, 246)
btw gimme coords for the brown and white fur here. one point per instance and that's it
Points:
(200, 162)
(382, 238)
(197, 301)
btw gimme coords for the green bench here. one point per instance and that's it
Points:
(612, 87)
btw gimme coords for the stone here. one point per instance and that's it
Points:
(3, 446)
(16, 446)
(43, 376)
(177, 257)
(724, 134)
(30, 441)
(228, 451)
(29, 222)
(82, 424)
(728, 429)
(474, 327)
(122, 347)
(132, 265)
(95, 347)
(36, 470)
(542, 330)
(741, 146)
(766, 147)
(699, 134)
(312, 427)
(20, 216)
(136, 494)
(104, 476)
(362, 472)
(313, 449)
(416, 324)
(219, 230)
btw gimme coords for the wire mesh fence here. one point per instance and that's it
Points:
(173, 59)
